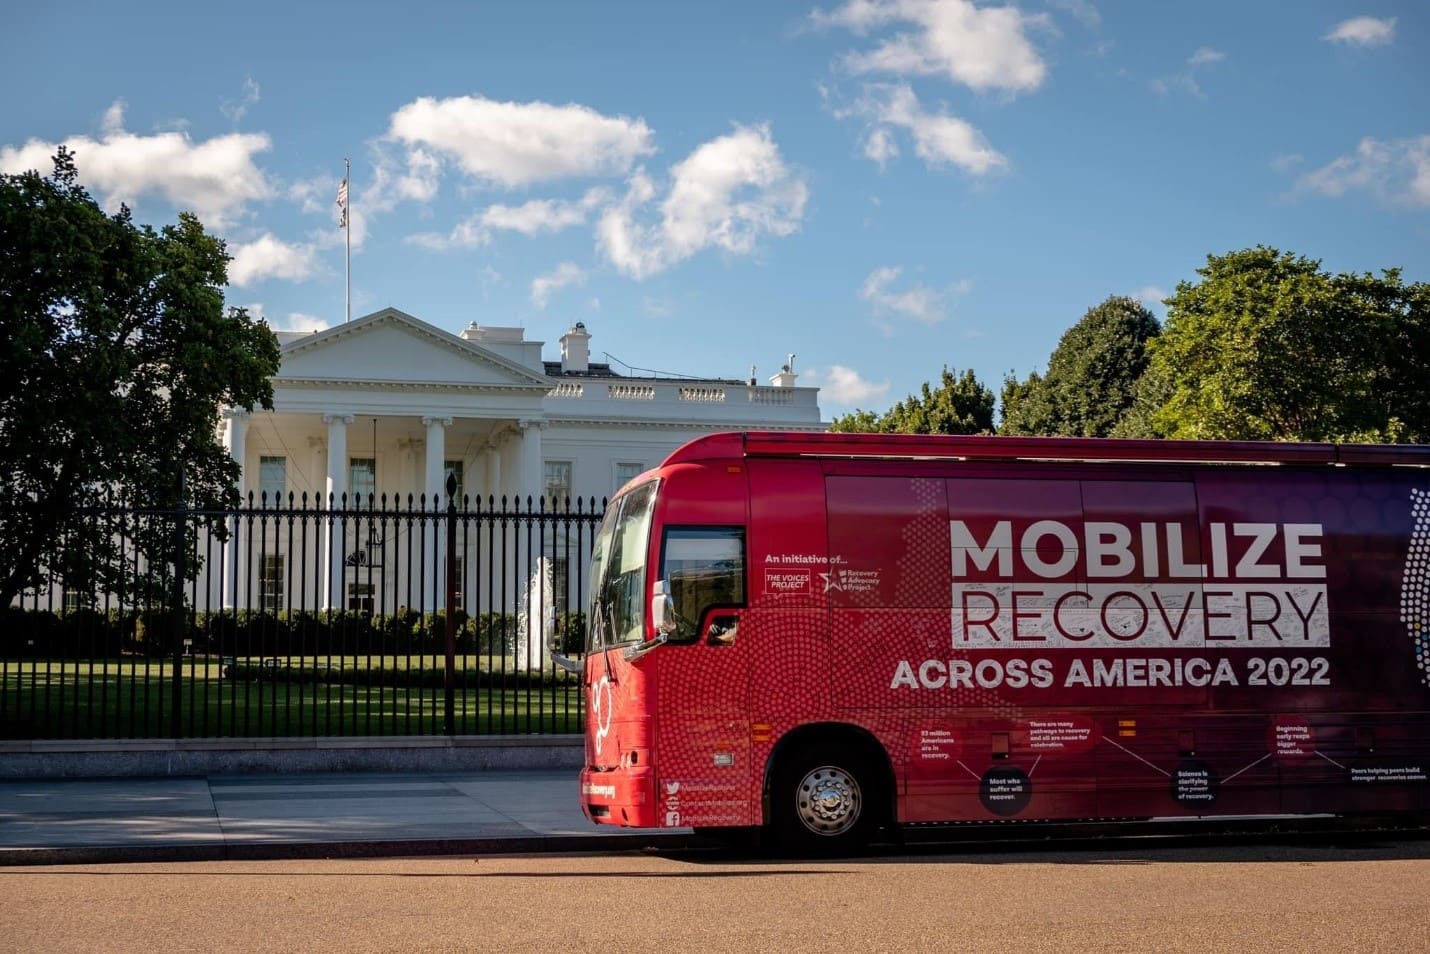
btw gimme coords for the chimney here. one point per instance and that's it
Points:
(785, 379)
(576, 350)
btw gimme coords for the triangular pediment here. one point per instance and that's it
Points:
(392, 347)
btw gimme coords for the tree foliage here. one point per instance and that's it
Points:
(959, 405)
(1091, 375)
(121, 355)
(1268, 346)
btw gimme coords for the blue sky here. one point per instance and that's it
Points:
(881, 187)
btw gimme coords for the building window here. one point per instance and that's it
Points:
(272, 479)
(453, 468)
(270, 583)
(360, 597)
(362, 480)
(556, 487)
(626, 471)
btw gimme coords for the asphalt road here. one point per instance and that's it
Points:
(1355, 896)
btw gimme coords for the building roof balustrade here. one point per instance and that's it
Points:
(732, 401)
(630, 392)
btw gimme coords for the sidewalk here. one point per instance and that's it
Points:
(333, 815)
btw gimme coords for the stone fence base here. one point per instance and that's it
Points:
(168, 757)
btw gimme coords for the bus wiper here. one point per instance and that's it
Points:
(601, 636)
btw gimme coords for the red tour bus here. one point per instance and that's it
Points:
(829, 634)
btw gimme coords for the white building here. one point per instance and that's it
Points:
(388, 405)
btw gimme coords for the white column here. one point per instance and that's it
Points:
(313, 586)
(493, 469)
(436, 459)
(236, 441)
(407, 477)
(337, 486)
(433, 487)
(528, 482)
(317, 463)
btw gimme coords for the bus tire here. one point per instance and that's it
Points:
(823, 802)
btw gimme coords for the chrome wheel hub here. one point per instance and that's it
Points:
(828, 801)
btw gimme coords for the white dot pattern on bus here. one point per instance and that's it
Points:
(1415, 590)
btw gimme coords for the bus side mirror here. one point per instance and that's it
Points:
(555, 648)
(662, 608)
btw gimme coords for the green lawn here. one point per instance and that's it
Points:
(307, 696)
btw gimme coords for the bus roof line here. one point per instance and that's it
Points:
(1081, 449)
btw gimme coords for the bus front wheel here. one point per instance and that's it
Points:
(822, 802)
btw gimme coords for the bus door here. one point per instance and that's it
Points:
(702, 680)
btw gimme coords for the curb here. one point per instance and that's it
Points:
(299, 851)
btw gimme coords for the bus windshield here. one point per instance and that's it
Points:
(617, 612)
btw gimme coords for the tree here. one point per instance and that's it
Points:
(1268, 346)
(960, 405)
(1148, 395)
(122, 354)
(1091, 375)
(1398, 404)
(1027, 406)
(857, 422)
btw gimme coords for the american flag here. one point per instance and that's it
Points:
(343, 203)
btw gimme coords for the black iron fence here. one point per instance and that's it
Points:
(305, 618)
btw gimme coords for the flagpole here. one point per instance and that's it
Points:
(348, 235)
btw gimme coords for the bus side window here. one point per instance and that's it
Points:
(705, 567)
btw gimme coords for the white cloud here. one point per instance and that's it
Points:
(1150, 295)
(543, 215)
(1081, 9)
(1287, 163)
(984, 48)
(517, 144)
(939, 139)
(658, 307)
(113, 121)
(565, 275)
(1363, 31)
(880, 146)
(269, 257)
(728, 194)
(1183, 82)
(296, 321)
(418, 182)
(238, 108)
(1396, 172)
(1187, 82)
(920, 302)
(214, 178)
(531, 218)
(845, 386)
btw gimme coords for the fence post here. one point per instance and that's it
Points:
(449, 723)
(176, 610)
